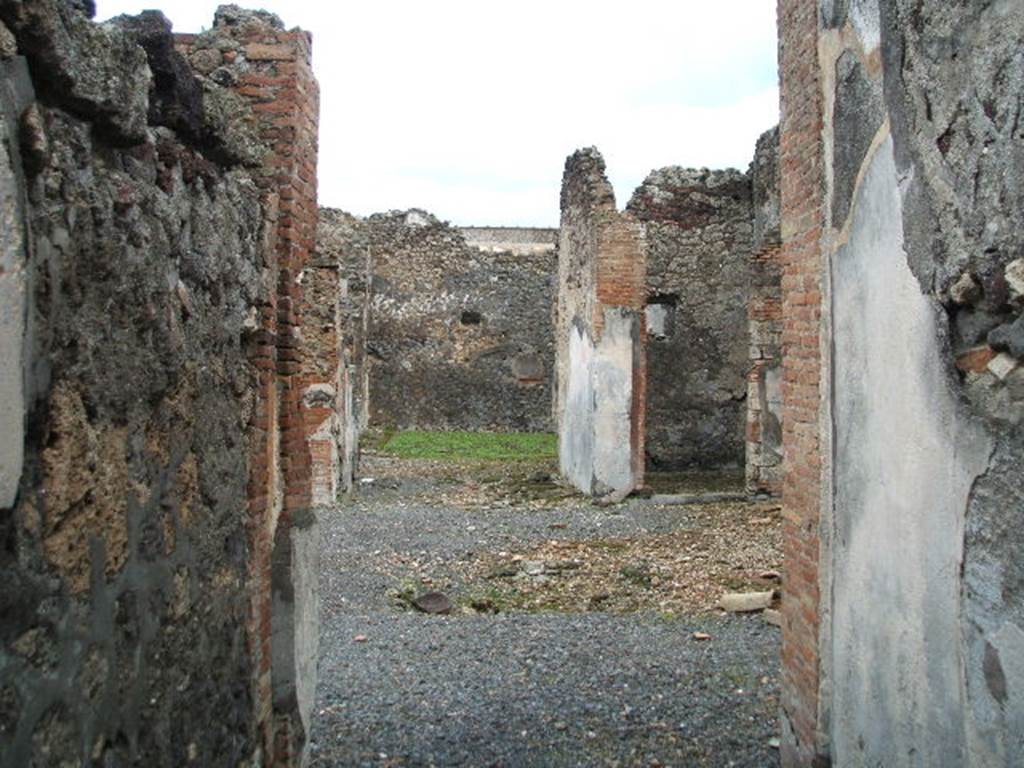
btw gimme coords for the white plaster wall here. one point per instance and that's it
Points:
(612, 377)
(576, 426)
(905, 457)
(349, 438)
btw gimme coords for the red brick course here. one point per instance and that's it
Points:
(801, 169)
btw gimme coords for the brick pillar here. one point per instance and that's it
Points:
(285, 100)
(764, 320)
(801, 204)
(621, 281)
(600, 334)
(273, 74)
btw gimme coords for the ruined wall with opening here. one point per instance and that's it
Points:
(698, 225)
(902, 220)
(600, 334)
(764, 322)
(145, 498)
(457, 337)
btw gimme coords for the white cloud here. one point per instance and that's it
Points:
(468, 109)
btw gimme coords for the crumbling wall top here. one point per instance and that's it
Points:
(584, 183)
(687, 197)
(764, 178)
(231, 15)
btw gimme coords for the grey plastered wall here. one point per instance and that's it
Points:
(16, 94)
(295, 635)
(925, 664)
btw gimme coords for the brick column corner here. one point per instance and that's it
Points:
(802, 199)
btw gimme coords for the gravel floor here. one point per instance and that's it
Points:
(400, 688)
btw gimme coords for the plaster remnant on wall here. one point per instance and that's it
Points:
(575, 428)
(613, 363)
(906, 457)
(599, 420)
(295, 640)
(521, 241)
(928, 456)
(13, 308)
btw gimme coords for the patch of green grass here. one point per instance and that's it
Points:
(472, 446)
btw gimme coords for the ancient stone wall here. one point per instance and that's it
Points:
(698, 225)
(600, 334)
(902, 227)
(342, 244)
(521, 241)
(150, 256)
(764, 318)
(457, 338)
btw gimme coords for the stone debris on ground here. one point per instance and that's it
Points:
(715, 550)
(708, 551)
(746, 602)
(578, 634)
(433, 602)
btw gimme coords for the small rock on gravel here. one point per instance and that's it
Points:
(433, 602)
(746, 602)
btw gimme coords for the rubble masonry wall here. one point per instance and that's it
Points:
(457, 337)
(698, 227)
(153, 232)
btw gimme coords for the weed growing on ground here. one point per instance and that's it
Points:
(472, 446)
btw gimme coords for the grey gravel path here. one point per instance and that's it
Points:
(522, 689)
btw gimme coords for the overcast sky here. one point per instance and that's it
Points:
(468, 108)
